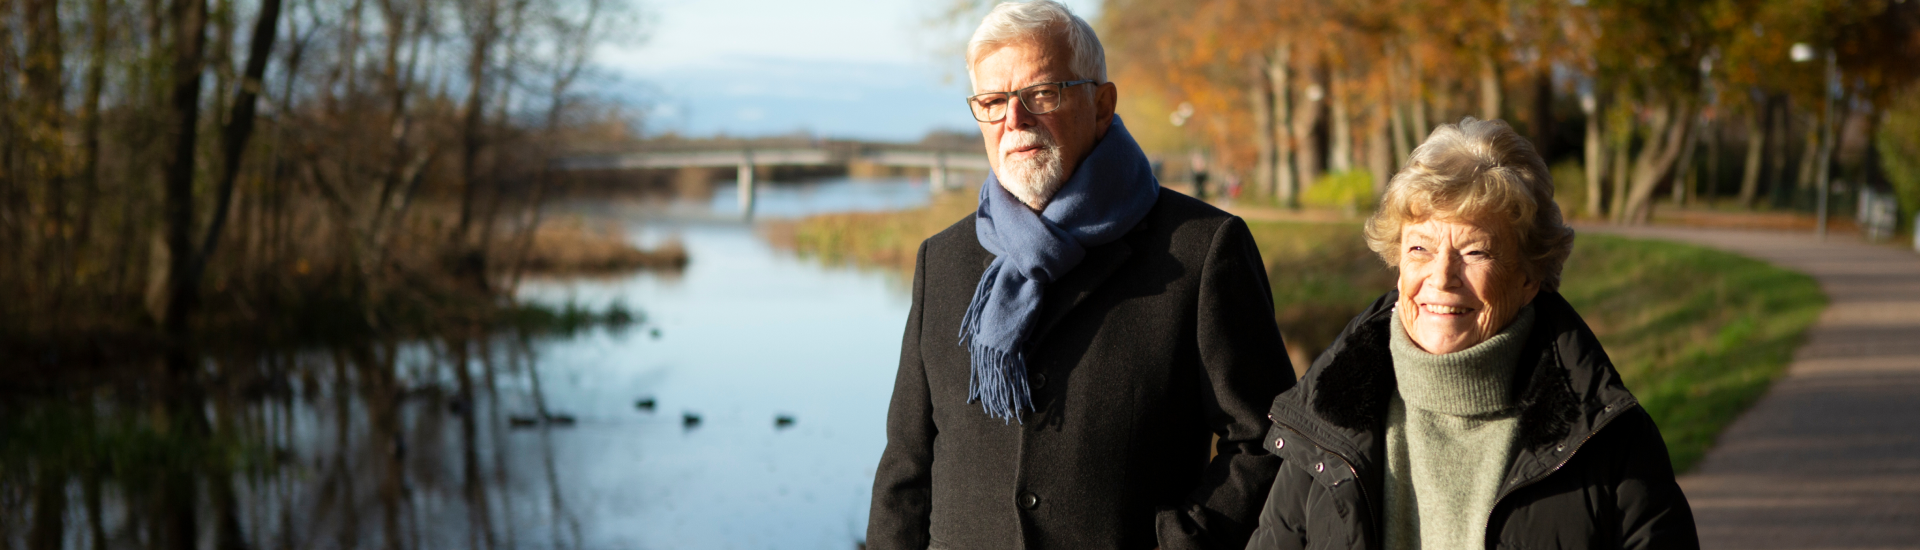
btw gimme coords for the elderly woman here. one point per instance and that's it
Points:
(1472, 407)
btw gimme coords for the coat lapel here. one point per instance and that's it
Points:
(1068, 292)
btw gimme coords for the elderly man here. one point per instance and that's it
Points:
(1076, 343)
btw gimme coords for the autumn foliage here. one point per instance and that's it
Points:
(1641, 92)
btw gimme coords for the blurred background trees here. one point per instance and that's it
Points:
(232, 164)
(1631, 100)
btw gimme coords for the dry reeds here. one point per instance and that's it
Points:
(573, 248)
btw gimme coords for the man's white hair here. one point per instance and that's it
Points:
(1039, 20)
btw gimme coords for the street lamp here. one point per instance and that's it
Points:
(1801, 53)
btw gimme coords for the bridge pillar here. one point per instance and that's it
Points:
(746, 184)
(939, 175)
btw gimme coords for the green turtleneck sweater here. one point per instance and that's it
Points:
(1450, 432)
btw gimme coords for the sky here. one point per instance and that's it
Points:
(867, 69)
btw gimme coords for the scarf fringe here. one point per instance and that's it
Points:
(970, 323)
(999, 383)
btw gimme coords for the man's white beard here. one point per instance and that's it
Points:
(1035, 179)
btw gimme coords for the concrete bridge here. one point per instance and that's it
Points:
(938, 163)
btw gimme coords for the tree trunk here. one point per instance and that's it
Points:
(1620, 141)
(1418, 101)
(472, 117)
(1279, 69)
(1340, 145)
(1380, 154)
(1779, 128)
(1683, 172)
(47, 146)
(239, 128)
(43, 68)
(88, 162)
(1711, 192)
(404, 162)
(11, 200)
(1596, 155)
(1262, 99)
(1490, 96)
(1398, 128)
(1756, 150)
(1670, 133)
(1807, 164)
(1306, 118)
(182, 129)
(1543, 123)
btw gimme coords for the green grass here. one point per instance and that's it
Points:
(1697, 334)
(1349, 191)
(872, 239)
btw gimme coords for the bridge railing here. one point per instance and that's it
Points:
(938, 163)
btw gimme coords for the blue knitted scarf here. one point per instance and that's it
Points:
(1109, 193)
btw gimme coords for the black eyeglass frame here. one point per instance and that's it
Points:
(1021, 96)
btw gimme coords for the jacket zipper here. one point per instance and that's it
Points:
(1365, 502)
(1556, 467)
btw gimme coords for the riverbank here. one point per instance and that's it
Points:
(1697, 334)
(570, 247)
(316, 292)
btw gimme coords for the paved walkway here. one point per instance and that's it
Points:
(1830, 456)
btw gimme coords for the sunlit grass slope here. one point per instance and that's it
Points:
(873, 239)
(1697, 333)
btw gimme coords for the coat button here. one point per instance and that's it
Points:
(1039, 380)
(1279, 443)
(1320, 467)
(1561, 448)
(1029, 500)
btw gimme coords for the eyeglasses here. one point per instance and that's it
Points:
(1038, 99)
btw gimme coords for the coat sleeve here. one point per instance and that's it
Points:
(1282, 521)
(1653, 511)
(902, 484)
(1245, 365)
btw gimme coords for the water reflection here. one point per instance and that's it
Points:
(501, 438)
(375, 445)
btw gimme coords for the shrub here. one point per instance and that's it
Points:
(1351, 191)
(1899, 143)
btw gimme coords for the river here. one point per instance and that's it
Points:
(746, 334)
(745, 409)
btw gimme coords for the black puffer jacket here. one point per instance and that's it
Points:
(1589, 468)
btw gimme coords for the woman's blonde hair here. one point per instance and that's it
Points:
(1482, 172)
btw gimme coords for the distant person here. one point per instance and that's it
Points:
(1076, 343)
(1199, 175)
(1472, 407)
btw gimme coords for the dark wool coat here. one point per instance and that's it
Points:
(1589, 471)
(1152, 345)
